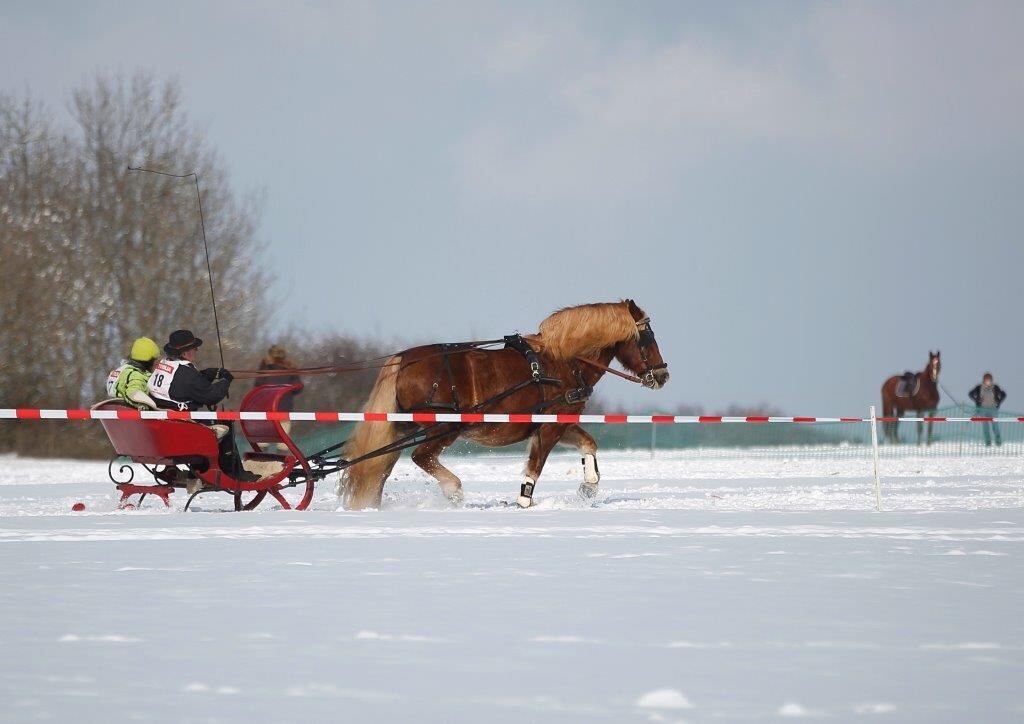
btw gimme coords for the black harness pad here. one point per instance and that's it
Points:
(520, 345)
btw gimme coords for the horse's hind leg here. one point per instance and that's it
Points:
(426, 457)
(582, 441)
(896, 415)
(545, 438)
(888, 428)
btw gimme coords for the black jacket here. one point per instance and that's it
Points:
(196, 388)
(287, 403)
(997, 391)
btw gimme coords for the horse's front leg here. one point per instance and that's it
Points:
(541, 443)
(579, 438)
(426, 457)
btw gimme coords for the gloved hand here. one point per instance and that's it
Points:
(217, 373)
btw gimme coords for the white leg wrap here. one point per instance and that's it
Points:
(525, 499)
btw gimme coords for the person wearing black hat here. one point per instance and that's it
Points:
(176, 384)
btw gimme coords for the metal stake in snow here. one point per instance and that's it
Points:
(874, 453)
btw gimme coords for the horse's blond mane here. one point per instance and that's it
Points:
(585, 330)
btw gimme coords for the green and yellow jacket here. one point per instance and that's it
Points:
(133, 379)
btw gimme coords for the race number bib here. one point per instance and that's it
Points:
(112, 380)
(160, 382)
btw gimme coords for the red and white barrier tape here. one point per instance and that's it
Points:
(466, 417)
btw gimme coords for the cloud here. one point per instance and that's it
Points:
(920, 79)
(856, 83)
(685, 86)
(628, 122)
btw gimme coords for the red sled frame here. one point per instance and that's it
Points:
(164, 447)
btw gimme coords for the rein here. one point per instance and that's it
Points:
(310, 371)
(646, 378)
(950, 396)
(605, 368)
(374, 363)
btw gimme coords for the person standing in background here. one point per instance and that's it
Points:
(277, 359)
(988, 396)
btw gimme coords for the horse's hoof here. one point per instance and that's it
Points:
(456, 499)
(586, 491)
(524, 502)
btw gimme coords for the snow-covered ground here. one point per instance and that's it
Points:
(699, 587)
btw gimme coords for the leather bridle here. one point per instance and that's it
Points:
(645, 341)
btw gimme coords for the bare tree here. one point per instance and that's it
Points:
(94, 256)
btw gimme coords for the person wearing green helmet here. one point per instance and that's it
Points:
(129, 382)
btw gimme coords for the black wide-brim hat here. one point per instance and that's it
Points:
(182, 340)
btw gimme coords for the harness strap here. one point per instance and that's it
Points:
(446, 369)
(573, 396)
(606, 368)
(520, 345)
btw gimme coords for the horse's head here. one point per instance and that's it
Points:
(934, 365)
(640, 355)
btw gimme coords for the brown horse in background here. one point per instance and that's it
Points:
(569, 354)
(922, 397)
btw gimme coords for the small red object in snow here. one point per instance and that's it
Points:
(78, 507)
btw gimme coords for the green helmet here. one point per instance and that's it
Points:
(145, 350)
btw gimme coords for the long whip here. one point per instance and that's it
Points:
(206, 247)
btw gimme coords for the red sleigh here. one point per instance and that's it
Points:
(173, 450)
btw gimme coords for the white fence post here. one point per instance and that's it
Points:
(874, 454)
(654, 439)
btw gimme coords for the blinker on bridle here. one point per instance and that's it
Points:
(646, 340)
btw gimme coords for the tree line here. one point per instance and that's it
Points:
(93, 255)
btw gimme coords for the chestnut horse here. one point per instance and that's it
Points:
(923, 398)
(551, 372)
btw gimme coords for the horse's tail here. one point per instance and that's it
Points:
(362, 484)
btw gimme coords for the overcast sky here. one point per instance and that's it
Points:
(805, 197)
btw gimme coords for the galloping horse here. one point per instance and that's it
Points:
(922, 397)
(551, 372)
